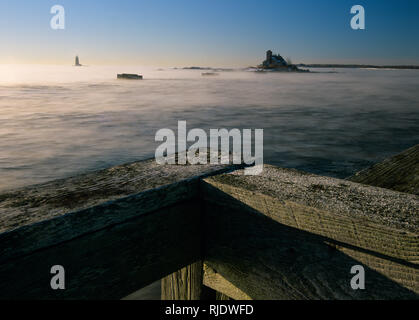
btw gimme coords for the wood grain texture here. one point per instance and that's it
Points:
(400, 173)
(224, 288)
(222, 296)
(281, 235)
(115, 230)
(33, 204)
(186, 284)
(289, 235)
(45, 215)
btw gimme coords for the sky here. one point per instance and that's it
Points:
(208, 32)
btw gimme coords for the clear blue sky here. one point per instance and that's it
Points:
(208, 32)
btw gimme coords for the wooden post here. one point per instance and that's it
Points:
(221, 296)
(186, 284)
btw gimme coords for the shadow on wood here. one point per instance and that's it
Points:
(267, 259)
(283, 234)
(110, 263)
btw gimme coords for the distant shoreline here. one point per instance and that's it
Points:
(358, 66)
(314, 65)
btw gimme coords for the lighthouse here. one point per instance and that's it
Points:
(77, 62)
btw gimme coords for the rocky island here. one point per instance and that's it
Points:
(275, 62)
(130, 76)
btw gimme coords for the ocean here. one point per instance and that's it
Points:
(60, 121)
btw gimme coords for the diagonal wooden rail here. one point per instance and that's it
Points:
(399, 173)
(291, 235)
(281, 235)
(114, 231)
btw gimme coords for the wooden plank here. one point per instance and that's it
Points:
(290, 235)
(400, 173)
(44, 215)
(281, 235)
(225, 289)
(115, 231)
(33, 204)
(186, 284)
(110, 263)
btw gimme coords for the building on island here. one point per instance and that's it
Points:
(77, 62)
(276, 62)
(273, 61)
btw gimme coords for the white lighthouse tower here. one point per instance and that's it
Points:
(77, 62)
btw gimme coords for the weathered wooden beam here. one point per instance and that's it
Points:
(68, 197)
(400, 173)
(195, 282)
(281, 235)
(291, 235)
(186, 284)
(110, 263)
(224, 288)
(114, 231)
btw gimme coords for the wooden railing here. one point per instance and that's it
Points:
(204, 229)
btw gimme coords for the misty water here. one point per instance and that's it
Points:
(57, 122)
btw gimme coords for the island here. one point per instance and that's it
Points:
(275, 62)
(360, 66)
(129, 76)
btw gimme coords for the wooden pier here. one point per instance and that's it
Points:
(210, 232)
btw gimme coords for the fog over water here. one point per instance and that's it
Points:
(60, 121)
